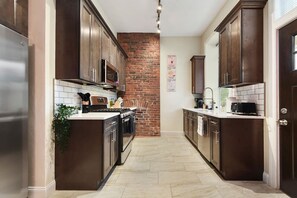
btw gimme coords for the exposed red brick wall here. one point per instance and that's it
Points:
(143, 79)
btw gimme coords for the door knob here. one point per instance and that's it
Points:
(283, 122)
(284, 111)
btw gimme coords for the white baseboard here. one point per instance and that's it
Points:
(266, 178)
(42, 192)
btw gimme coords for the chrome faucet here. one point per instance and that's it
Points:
(212, 101)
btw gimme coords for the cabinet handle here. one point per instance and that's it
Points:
(224, 78)
(94, 75)
(193, 89)
(217, 134)
(113, 123)
(213, 122)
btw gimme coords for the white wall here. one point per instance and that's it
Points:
(173, 102)
(218, 19)
(106, 19)
(211, 71)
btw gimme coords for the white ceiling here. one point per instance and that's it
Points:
(178, 17)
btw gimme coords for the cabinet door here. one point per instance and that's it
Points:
(223, 53)
(234, 69)
(96, 48)
(114, 147)
(123, 72)
(86, 71)
(185, 121)
(14, 14)
(22, 16)
(7, 12)
(197, 74)
(105, 45)
(107, 153)
(113, 54)
(214, 127)
(195, 128)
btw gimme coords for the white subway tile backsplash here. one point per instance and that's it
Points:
(252, 93)
(68, 101)
(260, 90)
(261, 96)
(58, 88)
(67, 89)
(66, 92)
(260, 102)
(64, 95)
(59, 100)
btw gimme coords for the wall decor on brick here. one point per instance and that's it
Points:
(66, 93)
(143, 79)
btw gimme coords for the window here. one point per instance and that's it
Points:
(282, 7)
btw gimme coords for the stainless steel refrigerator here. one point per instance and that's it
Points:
(13, 114)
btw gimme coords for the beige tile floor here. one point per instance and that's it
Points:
(170, 167)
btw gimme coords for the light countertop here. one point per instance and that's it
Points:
(218, 114)
(93, 116)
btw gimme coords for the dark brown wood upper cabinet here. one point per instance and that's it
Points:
(105, 45)
(241, 45)
(14, 14)
(83, 39)
(113, 54)
(197, 74)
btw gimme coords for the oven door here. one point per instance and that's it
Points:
(127, 130)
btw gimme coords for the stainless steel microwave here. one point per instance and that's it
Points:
(109, 75)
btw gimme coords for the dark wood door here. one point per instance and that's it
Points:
(86, 72)
(234, 68)
(288, 100)
(96, 48)
(223, 53)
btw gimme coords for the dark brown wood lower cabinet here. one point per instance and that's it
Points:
(214, 129)
(190, 126)
(233, 146)
(241, 149)
(81, 165)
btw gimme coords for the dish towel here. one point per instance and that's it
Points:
(200, 125)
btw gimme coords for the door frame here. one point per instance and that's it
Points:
(271, 76)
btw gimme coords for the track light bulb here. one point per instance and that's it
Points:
(159, 7)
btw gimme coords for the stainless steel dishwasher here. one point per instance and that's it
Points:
(204, 139)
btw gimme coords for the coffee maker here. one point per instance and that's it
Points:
(199, 103)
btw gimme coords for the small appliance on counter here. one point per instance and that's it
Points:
(244, 108)
(85, 101)
(199, 103)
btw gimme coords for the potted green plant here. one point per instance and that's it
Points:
(61, 125)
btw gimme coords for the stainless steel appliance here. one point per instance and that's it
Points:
(126, 126)
(109, 75)
(13, 114)
(244, 108)
(204, 138)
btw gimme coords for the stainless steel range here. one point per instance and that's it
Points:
(126, 126)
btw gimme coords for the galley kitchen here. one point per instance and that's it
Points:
(156, 98)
